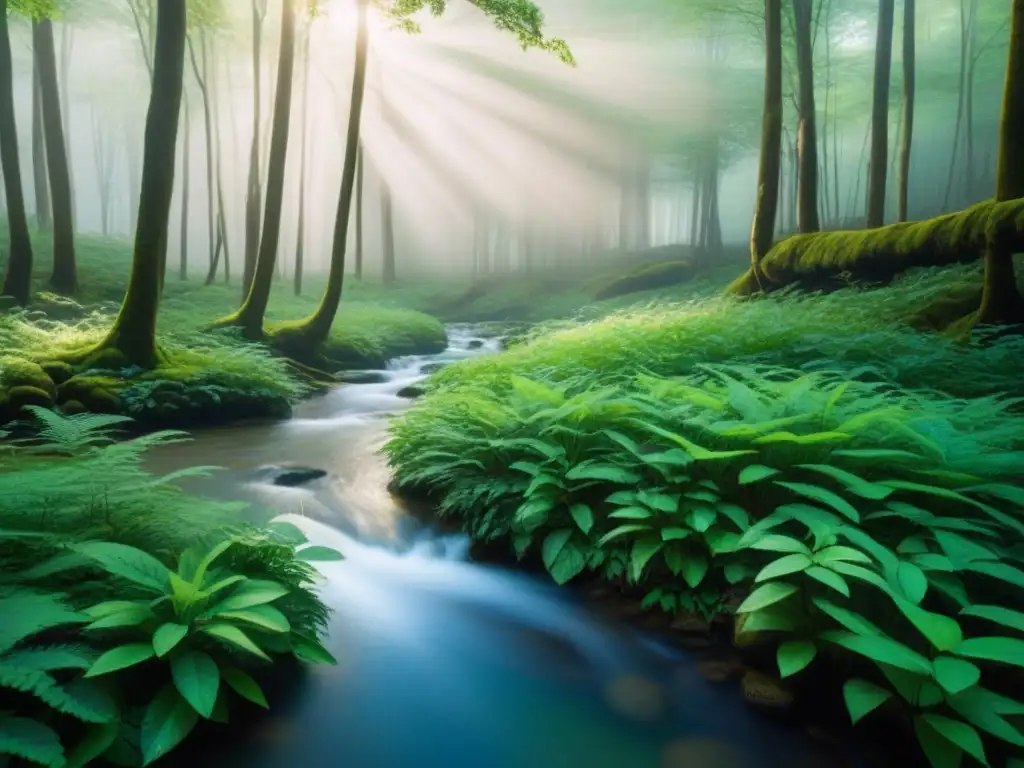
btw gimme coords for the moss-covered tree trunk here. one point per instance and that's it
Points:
(250, 315)
(1001, 301)
(40, 182)
(314, 330)
(253, 191)
(18, 278)
(134, 330)
(909, 79)
(807, 138)
(186, 156)
(64, 278)
(767, 201)
(300, 224)
(387, 234)
(360, 171)
(878, 163)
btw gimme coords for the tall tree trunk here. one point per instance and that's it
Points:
(766, 203)
(1001, 301)
(186, 156)
(964, 35)
(909, 81)
(222, 217)
(254, 308)
(104, 159)
(642, 190)
(807, 139)
(315, 329)
(134, 177)
(18, 277)
(878, 164)
(300, 225)
(200, 74)
(969, 175)
(134, 330)
(67, 40)
(694, 209)
(40, 182)
(387, 224)
(254, 194)
(360, 171)
(64, 278)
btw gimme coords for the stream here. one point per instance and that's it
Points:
(447, 663)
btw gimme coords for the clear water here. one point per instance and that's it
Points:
(447, 663)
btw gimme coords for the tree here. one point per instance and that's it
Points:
(253, 192)
(300, 234)
(767, 200)
(186, 157)
(878, 163)
(907, 121)
(64, 278)
(360, 170)
(1001, 302)
(387, 233)
(134, 331)
(18, 278)
(40, 182)
(250, 315)
(807, 139)
(200, 73)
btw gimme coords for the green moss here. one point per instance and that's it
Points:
(97, 393)
(825, 259)
(19, 397)
(71, 407)
(16, 372)
(649, 277)
(57, 370)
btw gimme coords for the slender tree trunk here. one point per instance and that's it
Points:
(40, 181)
(360, 170)
(767, 200)
(317, 326)
(642, 188)
(387, 223)
(878, 164)
(1001, 301)
(222, 217)
(970, 181)
(909, 81)
(134, 330)
(250, 315)
(300, 235)
(104, 170)
(134, 178)
(959, 104)
(694, 210)
(18, 277)
(254, 193)
(807, 139)
(67, 41)
(186, 156)
(64, 278)
(200, 74)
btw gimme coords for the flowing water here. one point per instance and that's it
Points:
(449, 664)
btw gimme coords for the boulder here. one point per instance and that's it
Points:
(430, 368)
(19, 397)
(16, 372)
(57, 370)
(362, 377)
(765, 692)
(411, 392)
(475, 344)
(292, 477)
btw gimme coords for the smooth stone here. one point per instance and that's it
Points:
(475, 344)
(430, 368)
(362, 377)
(411, 392)
(291, 477)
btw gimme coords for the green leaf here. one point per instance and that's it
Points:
(783, 567)
(287, 531)
(862, 698)
(985, 710)
(197, 679)
(207, 561)
(734, 513)
(318, 554)
(233, 636)
(120, 658)
(553, 544)
(824, 496)
(941, 631)
(132, 615)
(959, 733)
(167, 636)
(939, 752)
(1006, 650)
(111, 607)
(955, 675)
(674, 533)
(701, 517)
(216, 587)
(815, 438)
(263, 616)
(854, 483)
(735, 572)
(311, 652)
(794, 655)
(997, 614)
(583, 516)
(641, 554)
(755, 473)
(30, 739)
(662, 502)
(829, 579)
(622, 530)
(774, 543)
(631, 513)
(168, 720)
(242, 684)
(97, 740)
(603, 471)
(849, 554)
(252, 592)
(852, 620)
(127, 562)
(881, 649)
(623, 498)
(699, 453)
(912, 582)
(765, 595)
(695, 568)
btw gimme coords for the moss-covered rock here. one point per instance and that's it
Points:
(71, 407)
(19, 397)
(96, 393)
(17, 372)
(57, 307)
(833, 259)
(106, 359)
(765, 692)
(649, 277)
(57, 370)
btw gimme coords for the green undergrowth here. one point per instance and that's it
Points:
(134, 613)
(861, 332)
(870, 529)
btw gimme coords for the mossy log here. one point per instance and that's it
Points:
(830, 259)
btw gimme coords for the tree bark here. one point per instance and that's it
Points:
(387, 224)
(134, 330)
(878, 164)
(300, 225)
(767, 201)
(186, 155)
(104, 158)
(254, 194)
(315, 329)
(807, 139)
(66, 42)
(41, 183)
(360, 170)
(18, 277)
(962, 81)
(200, 74)
(909, 81)
(64, 278)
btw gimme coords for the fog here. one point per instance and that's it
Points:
(475, 138)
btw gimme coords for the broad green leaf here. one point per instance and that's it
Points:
(765, 621)
(823, 496)
(958, 733)
(997, 614)
(912, 582)
(631, 513)
(815, 438)
(568, 564)
(553, 544)
(849, 554)
(881, 649)
(31, 740)
(708, 497)
(583, 516)
(127, 562)
(877, 454)
(701, 517)
(699, 453)
(200, 573)
(775, 543)
(1011, 493)
(941, 631)
(695, 568)
(252, 592)
(755, 473)
(939, 752)
(110, 607)
(287, 531)
(735, 513)
(120, 658)
(263, 616)
(603, 471)
(234, 636)
(985, 710)
(624, 498)
(311, 652)
(1001, 571)
(783, 567)
(735, 572)
(534, 513)
(318, 554)
(674, 533)
(131, 616)
(96, 741)
(242, 684)
(168, 720)
(720, 541)
(167, 636)
(528, 467)
(662, 502)
(227, 581)
(541, 480)
(862, 698)
(854, 483)
(961, 550)
(1006, 650)
(955, 675)
(829, 579)
(197, 679)
(641, 554)
(794, 655)
(622, 530)
(765, 595)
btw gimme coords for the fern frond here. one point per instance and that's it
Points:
(51, 657)
(30, 740)
(26, 613)
(81, 699)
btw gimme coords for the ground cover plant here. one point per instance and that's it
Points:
(132, 610)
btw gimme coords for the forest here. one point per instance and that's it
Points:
(512, 383)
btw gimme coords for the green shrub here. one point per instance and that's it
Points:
(860, 518)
